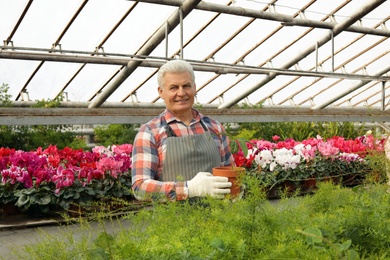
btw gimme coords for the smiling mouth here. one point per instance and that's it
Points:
(181, 100)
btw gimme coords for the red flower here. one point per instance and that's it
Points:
(241, 161)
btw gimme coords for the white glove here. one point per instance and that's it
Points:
(204, 183)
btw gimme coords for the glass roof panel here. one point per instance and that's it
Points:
(9, 15)
(146, 93)
(88, 81)
(42, 87)
(42, 23)
(137, 27)
(22, 69)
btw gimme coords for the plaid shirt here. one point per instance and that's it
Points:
(149, 149)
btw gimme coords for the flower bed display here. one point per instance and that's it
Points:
(46, 180)
(291, 164)
(49, 179)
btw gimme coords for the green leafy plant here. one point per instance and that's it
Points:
(76, 194)
(115, 134)
(32, 137)
(296, 130)
(314, 238)
(7, 194)
(5, 98)
(37, 201)
(333, 223)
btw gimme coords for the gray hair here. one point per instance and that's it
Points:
(174, 66)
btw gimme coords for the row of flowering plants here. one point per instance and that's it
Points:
(50, 179)
(348, 161)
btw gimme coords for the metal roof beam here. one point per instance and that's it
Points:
(71, 116)
(153, 42)
(85, 104)
(319, 64)
(272, 33)
(21, 17)
(53, 47)
(349, 90)
(285, 19)
(338, 28)
(177, 52)
(98, 47)
(361, 68)
(219, 68)
(357, 93)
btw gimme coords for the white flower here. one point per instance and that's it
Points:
(299, 148)
(286, 158)
(251, 152)
(263, 158)
(272, 166)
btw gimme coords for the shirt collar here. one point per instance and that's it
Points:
(169, 117)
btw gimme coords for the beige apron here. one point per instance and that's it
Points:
(187, 155)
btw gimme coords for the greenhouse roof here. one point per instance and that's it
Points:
(281, 54)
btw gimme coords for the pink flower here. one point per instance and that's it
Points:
(25, 179)
(63, 178)
(306, 151)
(122, 149)
(42, 175)
(109, 164)
(90, 173)
(263, 145)
(327, 149)
(312, 141)
(16, 174)
(288, 144)
(101, 150)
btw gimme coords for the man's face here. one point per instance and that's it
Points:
(178, 92)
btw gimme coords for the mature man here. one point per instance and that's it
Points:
(174, 153)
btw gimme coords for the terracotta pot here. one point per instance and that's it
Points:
(232, 173)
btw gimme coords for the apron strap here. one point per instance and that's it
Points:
(170, 132)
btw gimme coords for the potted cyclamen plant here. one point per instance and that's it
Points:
(233, 172)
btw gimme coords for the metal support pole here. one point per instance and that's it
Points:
(181, 33)
(166, 39)
(316, 56)
(383, 95)
(332, 42)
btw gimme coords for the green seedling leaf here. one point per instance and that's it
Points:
(128, 249)
(104, 240)
(243, 146)
(346, 245)
(98, 254)
(44, 200)
(234, 147)
(23, 199)
(336, 247)
(352, 255)
(313, 235)
(218, 244)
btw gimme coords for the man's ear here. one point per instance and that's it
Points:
(160, 90)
